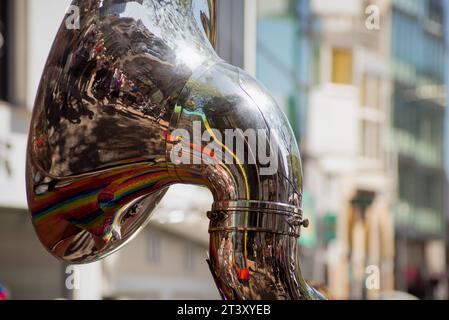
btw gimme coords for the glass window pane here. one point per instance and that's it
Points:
(342, 66)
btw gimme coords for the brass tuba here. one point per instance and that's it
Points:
(122, 110)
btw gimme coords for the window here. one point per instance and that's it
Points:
(4, 8)
(425, 129)
(370, 139)
(407, 184)
(342, 66)
(278, 8)
(230, 23)
(436, 11)
(370, 91)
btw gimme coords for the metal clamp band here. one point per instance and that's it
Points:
(257, 217)
(280, 208)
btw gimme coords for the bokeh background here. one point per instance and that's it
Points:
(364, 86)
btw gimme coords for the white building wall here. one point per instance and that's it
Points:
(333, 122)
(12, 159)
(346, 7)
(44, 19)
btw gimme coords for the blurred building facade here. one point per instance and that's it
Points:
(363, 82)
(419, 104)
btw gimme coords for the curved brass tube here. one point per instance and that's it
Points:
(118, 104)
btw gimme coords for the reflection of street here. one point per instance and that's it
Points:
(263, 274)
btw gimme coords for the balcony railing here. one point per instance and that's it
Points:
(419, 220)
(424, 153)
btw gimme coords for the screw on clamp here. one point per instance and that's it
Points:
(305, 223)
(217, 215)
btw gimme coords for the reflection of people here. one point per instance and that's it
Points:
(228, 252)
(116, 83)
(3, 293)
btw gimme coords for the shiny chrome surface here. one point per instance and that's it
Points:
(111, 102)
